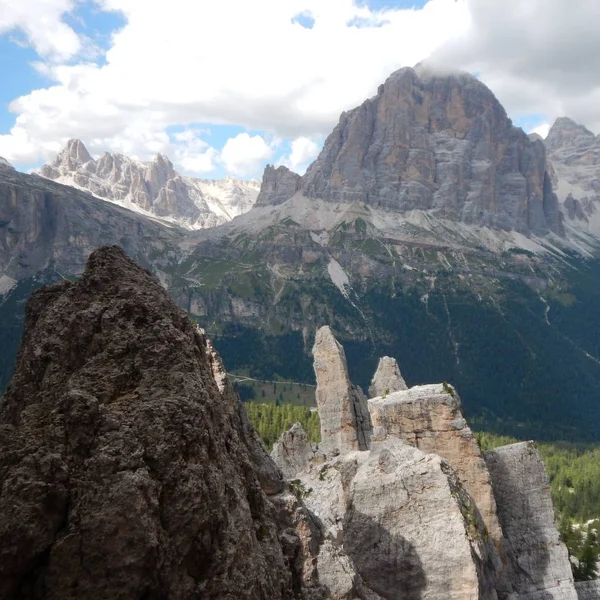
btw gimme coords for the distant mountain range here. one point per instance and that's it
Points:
(154, 188)
(429, 229)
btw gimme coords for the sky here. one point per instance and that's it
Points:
(224, 87)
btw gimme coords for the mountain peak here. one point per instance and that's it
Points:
(5, 165)
(75, 151)
(567, 132)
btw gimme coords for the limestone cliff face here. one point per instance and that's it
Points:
(387, 378)
(278, 185)
(127, 470)
(154, 187)
(439, 143)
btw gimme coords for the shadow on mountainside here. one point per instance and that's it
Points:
(388, 563)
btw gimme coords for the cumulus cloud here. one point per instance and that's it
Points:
(538, 56)
(193, 63)
(303, 152)
(286, 68)
(42, 24)
(245, 154)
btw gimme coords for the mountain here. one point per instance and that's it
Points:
(427, 230)
(574, 154)
(441, 144)
(154, 188)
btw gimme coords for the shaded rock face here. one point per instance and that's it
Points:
(538, 561)
(156, 187)
(440, 143)
(345, 420)
(126, 470)
(47, 225)
(430, 418)
(574, 154)
(387, 378)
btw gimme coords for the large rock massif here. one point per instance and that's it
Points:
(421, 513)
(440, 143)
(154, 188)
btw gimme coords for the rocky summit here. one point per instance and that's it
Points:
(421, 513)
(574, 154)
(154, 188)
(127, 469)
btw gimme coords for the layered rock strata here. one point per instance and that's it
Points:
(126, 470)
(538, 564)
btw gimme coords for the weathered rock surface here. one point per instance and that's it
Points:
(538, 564)
(155, 187)
(439, 143)
(405, 521)
(430, 418)
(588, 590)
(387, 378)
(125, 471)
(345, 420)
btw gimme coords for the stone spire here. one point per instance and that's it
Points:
(345, 420)
(387, 378)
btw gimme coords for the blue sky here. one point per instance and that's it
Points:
(220, 94)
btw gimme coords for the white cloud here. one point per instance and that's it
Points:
(541, 130)
(41, 22)
(245, 154)
(303, 152)
(538, 56)
(228, 62)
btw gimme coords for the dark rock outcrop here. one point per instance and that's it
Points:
(278, 185)
(125, 470)
(435, 142)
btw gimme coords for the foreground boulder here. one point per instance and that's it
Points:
(125, 471)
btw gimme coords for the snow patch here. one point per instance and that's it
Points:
(338, 276)
(6, 284)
